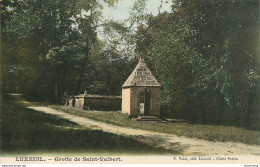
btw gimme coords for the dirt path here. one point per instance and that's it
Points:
(184, 145)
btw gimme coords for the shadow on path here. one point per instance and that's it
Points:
(25, 130)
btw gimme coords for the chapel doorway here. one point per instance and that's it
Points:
(145, 103)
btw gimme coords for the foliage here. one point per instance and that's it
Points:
(54, 40)
(200, 53)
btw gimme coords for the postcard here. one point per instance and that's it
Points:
(130, 82)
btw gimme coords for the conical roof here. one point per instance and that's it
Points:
(141, 76)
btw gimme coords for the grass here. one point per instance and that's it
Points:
(206, 132)
(28, 132)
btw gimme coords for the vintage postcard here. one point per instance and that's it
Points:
(130, 82)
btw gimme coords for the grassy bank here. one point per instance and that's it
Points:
(27, 131)
(206, 132)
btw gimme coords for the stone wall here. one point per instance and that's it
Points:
(94, 102)
(104, 103)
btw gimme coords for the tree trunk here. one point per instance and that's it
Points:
(197, 110)
(194, 119)
(56, 90)
(236, 117)
(76, 92)
(203, 116)
(249, 110)
(221, 108)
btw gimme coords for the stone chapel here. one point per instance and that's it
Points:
(141, 92)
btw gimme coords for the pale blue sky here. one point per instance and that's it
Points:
(120, 11)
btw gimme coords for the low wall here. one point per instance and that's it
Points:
(94, 102)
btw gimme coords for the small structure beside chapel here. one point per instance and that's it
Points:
(93, 102)
(141, 92)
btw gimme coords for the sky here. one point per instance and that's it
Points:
(120, 11)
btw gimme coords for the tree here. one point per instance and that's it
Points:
(200, 52)
(52, 33)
